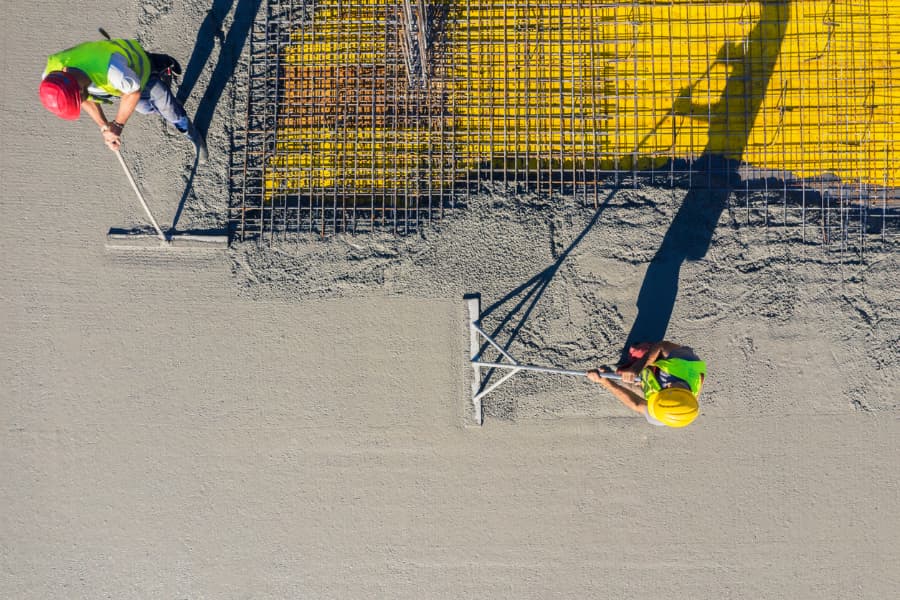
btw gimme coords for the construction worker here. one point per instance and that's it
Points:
(671, 378)
(93, 73)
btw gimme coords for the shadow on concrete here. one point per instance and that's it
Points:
(231, 46)
(525, 298)
(187, 192)
(731, 118)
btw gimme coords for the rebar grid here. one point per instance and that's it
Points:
(375, 114)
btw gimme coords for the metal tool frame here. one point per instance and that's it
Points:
(479, 391)
(123, 238)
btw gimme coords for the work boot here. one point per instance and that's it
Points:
(199, 141)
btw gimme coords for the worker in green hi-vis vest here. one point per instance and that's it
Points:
(671, 379)
(94, 73)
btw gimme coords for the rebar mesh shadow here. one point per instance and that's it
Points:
(690, 234)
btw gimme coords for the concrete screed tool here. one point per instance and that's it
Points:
(479, 391)
(123, 238)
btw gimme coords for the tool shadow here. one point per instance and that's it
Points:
(527, 296)
(186, 194)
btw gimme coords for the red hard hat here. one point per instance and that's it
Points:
(61, 95)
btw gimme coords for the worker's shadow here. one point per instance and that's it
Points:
(751, 63)
(231, 46)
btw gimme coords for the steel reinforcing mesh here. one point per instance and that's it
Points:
(372, 115)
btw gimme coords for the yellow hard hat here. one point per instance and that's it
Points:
(675, 407)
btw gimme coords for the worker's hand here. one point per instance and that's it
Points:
(112, 135)
(594, 375)
(628, 374)
(113, 143)
(112, 139)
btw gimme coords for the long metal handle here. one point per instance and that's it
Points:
(613, 376)
(125, 168)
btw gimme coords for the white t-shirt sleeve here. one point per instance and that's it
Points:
(121, 76)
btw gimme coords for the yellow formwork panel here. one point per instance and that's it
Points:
(806, 87)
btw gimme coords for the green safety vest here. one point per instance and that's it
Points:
(92, 58)
(691, 371)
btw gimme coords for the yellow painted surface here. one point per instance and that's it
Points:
(807, 87)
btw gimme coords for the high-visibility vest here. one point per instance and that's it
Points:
(691, 371)
(92, 58)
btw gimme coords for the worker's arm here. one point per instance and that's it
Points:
(112, 132)
(657, 350)
(126, 107)
(110, 137)
(627, 397)
(96, 113)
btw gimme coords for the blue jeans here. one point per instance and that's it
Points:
(157, 99)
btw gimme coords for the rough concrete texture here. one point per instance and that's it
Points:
(292, 422)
